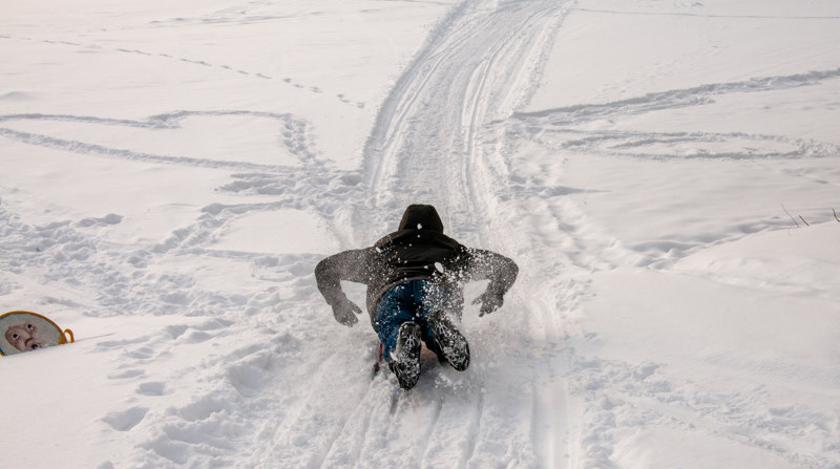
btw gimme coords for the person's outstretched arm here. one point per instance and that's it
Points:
(352, 266)
(500, 270)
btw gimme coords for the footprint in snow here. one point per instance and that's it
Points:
(151, 388)
(125, 420)
(110, 219)
(127, 374)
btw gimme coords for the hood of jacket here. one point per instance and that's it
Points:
(420, 229)
(421, 217)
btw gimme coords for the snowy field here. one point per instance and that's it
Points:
(663, 172)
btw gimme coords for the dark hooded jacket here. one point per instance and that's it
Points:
(417, 250)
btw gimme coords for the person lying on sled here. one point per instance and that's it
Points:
(415, 278)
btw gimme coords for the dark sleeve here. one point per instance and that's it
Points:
(500, 270)
(352, 266)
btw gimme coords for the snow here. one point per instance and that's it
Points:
(281, 231)
(664, 174)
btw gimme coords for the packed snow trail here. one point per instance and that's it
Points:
(478, 65)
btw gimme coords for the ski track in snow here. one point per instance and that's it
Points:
(555, 128)
(294, 137)
(443, 136)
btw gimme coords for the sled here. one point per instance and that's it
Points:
(24, 331)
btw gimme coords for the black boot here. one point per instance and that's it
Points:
(405, 360)
(450, 341)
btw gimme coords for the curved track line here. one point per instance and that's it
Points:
(669, 99)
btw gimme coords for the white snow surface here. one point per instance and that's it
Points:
(663, 172)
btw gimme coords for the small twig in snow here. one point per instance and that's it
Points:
(803, 221)
(791, 216)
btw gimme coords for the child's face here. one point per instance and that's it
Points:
(24, 337)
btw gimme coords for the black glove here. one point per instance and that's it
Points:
(345, 312)
(489, 302)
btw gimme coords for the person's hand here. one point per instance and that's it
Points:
(489, 302)
(345, 312)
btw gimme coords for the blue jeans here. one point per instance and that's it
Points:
(413, 300)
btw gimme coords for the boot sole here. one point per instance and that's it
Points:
(406, 363)
(452, 343)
